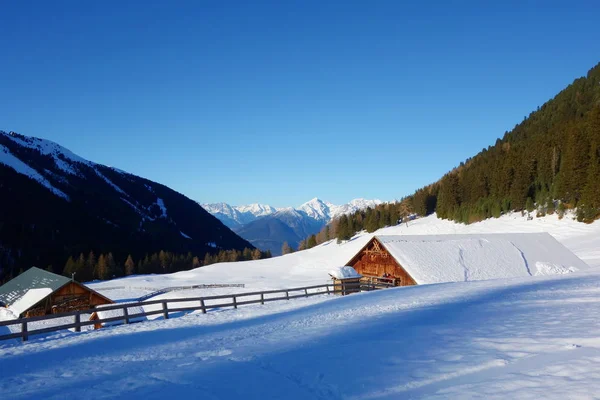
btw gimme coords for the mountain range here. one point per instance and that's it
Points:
(56, 204)
(267, 227)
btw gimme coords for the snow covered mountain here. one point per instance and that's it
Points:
(56, 204)
(267, 227)
(235, 216)
(316, 209)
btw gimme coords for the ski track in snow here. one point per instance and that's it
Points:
(524, 259)
(461, 260)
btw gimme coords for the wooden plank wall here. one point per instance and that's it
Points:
(374, 260)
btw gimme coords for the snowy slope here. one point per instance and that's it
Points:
(312, 266)
(526, 338)
(532, 337)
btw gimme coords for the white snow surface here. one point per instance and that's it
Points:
(161, 204)
(529, 337)
(469, 257)
(29, 299)
(104, 314)
(344, 273)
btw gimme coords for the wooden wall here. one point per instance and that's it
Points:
(71, 297)
(374, 260)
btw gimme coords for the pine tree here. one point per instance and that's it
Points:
(113, 269)
(101, 270)
(195, 262)
(256, 254)
(312, 242)
(286, 249)
(70, 267)
(129, 266)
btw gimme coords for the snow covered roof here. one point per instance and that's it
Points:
(344, 273)
(33, 278)
(452, 258)
(29, 299)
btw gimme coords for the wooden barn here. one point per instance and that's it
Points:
(423, 259)
(38, 292)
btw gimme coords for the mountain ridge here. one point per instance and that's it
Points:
(57, 204)
(268, 227)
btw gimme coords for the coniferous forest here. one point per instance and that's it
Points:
(548, 163)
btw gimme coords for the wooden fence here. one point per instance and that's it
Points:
(235, 301)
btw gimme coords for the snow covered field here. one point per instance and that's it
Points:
(532, 337)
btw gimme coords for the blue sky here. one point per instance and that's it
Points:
(279, 102)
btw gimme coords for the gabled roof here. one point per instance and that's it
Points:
(452, 258)
(33, 278)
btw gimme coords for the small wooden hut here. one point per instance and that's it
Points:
(345, 279)
(38, 292)
(376, 264)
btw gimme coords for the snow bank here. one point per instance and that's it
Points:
(544, 268)
(105, 314)
(344, 273)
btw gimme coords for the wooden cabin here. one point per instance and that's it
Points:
(38, 292)
(425, 259)
(376, 264)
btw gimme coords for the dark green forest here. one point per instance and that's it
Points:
(548, 163)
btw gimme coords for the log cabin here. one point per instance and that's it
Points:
(37, 292)
(424, 259)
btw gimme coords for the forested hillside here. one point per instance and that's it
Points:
(549, 160)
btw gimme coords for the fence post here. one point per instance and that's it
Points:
(165, 310)
(262, 298)
(203, 306)
(24, 335)
(77, 322)
(234, 302)
(126, 314)
(306, 292)
(328, 288)
(287, 294)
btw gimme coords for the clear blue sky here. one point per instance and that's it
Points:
(278, 102)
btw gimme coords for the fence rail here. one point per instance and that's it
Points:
(330, 288)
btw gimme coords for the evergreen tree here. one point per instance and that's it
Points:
(129, 266)
(286, 249)
(312, 242)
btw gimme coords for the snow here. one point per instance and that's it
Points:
(453, 258)
(29, 299)
(108, 181)
(527, 337)
(8, 159)
(161, 205)
(344, 273)
(104, 314)
(315, 209)
(184, 235)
